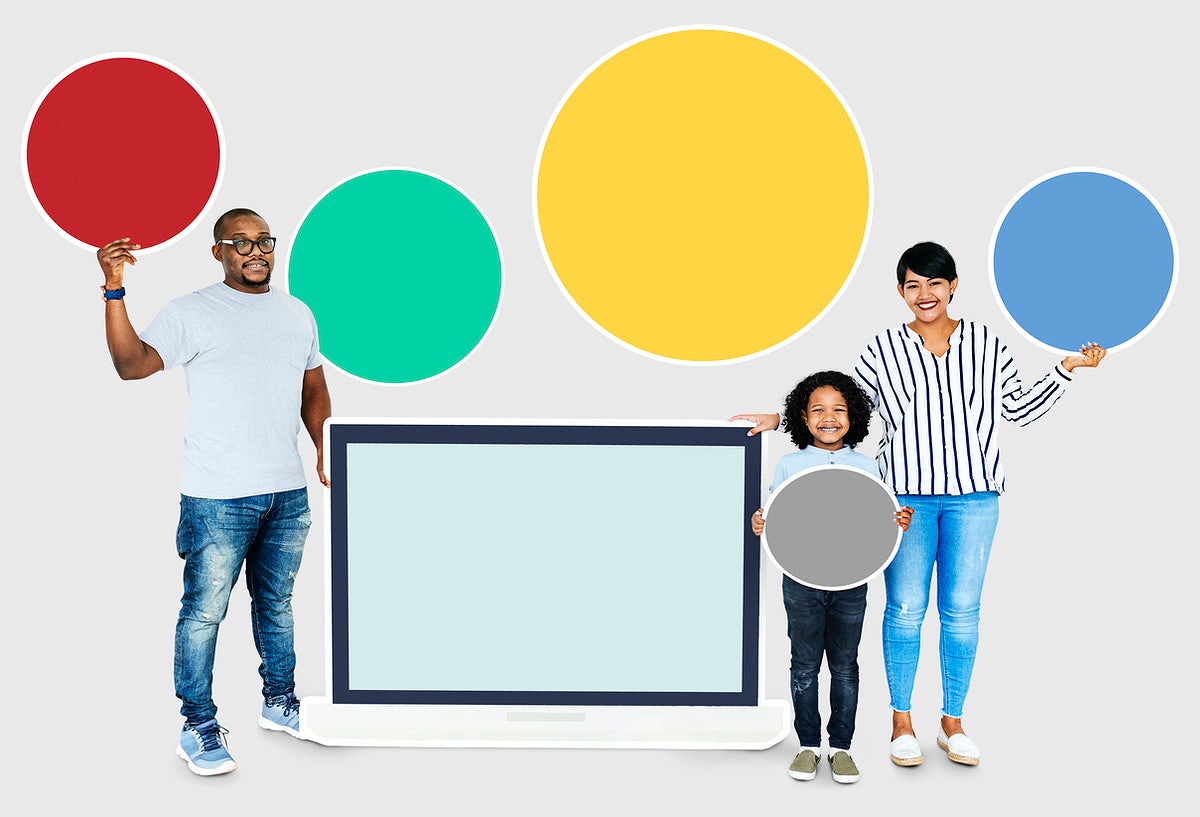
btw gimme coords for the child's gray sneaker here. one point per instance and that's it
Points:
(804, 767)
(844, 770)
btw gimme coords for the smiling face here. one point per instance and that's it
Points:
(247, 273)
(927, 297)
(827, 417)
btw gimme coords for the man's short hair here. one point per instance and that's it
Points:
(229, 215)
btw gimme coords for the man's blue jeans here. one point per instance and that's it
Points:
(824, 623)
(955, 534)
(215, 537)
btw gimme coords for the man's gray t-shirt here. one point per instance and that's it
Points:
(244, 358)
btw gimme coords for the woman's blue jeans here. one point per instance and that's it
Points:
(215, 538)
(953, 533)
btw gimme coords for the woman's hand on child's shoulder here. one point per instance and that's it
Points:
(762, 422)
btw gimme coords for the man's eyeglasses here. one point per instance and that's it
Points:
(243, 246)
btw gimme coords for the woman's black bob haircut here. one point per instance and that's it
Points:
(858, 406)
(928, 260)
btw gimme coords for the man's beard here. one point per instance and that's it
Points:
(246, 282)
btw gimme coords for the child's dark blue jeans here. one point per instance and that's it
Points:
(824, 623)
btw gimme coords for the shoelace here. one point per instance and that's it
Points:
(290, 704)
(210, 736)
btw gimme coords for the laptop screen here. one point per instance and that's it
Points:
(497, 562)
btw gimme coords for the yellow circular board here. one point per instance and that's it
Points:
(702, 195)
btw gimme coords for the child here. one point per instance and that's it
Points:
(827, 415)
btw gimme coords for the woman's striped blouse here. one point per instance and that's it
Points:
(940, 413)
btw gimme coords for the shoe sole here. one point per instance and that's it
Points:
(802, 775)
(275, 727)
(963, 759)
(224, 768)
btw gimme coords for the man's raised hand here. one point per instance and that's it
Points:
(113, 257)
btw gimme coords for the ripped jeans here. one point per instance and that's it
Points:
(824, 623)
(955, 534)
(215, 538)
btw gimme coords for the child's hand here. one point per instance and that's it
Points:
(904, 517)
(757, 523)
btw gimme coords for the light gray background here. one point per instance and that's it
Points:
(1084, 682)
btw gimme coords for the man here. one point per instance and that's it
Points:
(250, 358)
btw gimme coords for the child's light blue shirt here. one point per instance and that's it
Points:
(812, 456)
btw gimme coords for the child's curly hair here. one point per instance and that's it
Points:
(858, 405)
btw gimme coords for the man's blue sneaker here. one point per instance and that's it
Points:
(281, 714)
(203, 746)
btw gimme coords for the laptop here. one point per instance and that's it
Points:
(543, 583)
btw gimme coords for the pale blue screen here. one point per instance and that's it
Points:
(569, 568)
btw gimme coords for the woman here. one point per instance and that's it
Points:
(940, 385)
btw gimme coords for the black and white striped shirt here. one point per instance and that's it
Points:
(940, 413)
